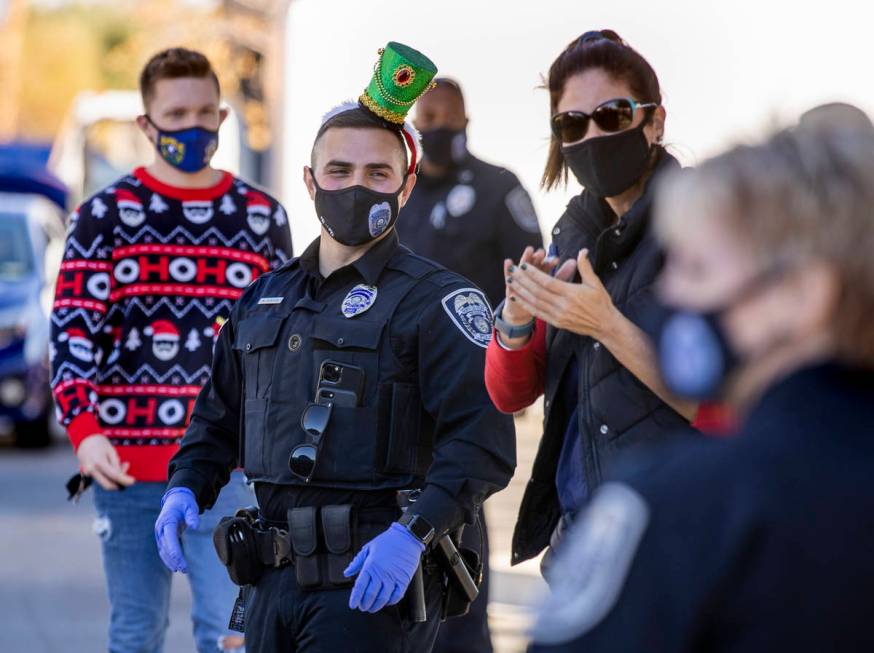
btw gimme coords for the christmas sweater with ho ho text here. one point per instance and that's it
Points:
(149, 275)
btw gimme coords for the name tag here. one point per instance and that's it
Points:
(270, 300)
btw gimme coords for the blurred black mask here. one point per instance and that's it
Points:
(444, 147)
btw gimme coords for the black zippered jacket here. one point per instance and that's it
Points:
(617, 411)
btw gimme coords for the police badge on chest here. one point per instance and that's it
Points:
(358, 300)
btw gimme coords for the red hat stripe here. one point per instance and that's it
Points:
(411, 145)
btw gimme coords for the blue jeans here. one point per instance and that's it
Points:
(137, 581)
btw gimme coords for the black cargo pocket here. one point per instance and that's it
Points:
(254, 435)
(352, 342)
(255, 340)
(304, 540)
(342, 333)
(337, 528)
(348, 447)
(403, 429)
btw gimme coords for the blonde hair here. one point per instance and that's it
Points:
(805, 193)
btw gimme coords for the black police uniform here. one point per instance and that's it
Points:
(759, 543)
(424, 421)
(471, 220)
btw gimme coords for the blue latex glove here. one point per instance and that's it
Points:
(385, 566)
(178, 511)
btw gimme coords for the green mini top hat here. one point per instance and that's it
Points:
(400, 77)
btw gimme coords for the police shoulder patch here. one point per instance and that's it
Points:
(592, 565)
(469, 310)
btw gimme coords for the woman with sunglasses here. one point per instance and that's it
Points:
(570, 326)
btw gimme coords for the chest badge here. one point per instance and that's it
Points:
(359, 299)
(460, 200)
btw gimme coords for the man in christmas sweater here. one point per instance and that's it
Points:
(151, 269)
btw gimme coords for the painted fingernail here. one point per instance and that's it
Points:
(512, 299)
(509, 279)
(524, 266)
(512, 268)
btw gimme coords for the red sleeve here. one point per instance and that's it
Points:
(81, 426)
(514, 377)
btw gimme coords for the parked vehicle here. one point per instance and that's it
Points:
(31, 248)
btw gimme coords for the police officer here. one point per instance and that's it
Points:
(465, 213)
(761, 542)
(350, 373)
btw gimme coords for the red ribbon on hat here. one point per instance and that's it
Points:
(412, 146)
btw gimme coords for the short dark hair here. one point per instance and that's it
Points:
(174, 63)
(359, 118)
(603, 49)
(451, 85)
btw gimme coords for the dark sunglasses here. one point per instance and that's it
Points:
(314, 421)
(610, 116)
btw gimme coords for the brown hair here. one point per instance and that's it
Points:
(173, 64)
(603, 49)
(804, 194)
(359, 118)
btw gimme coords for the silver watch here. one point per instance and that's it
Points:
(509, 330)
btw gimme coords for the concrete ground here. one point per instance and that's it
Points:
(52, 596)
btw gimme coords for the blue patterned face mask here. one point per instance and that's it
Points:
(188, 150)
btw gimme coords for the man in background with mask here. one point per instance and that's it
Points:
(468, 215)
(465, 213)
(350, 374)
(152, 267)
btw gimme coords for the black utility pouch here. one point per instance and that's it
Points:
(236, 545)
(304, 542)
(337, 527)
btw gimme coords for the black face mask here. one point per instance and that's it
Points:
(444, 146)
(356, 215)
(609, 165)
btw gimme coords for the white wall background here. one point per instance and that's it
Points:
(727, 69)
